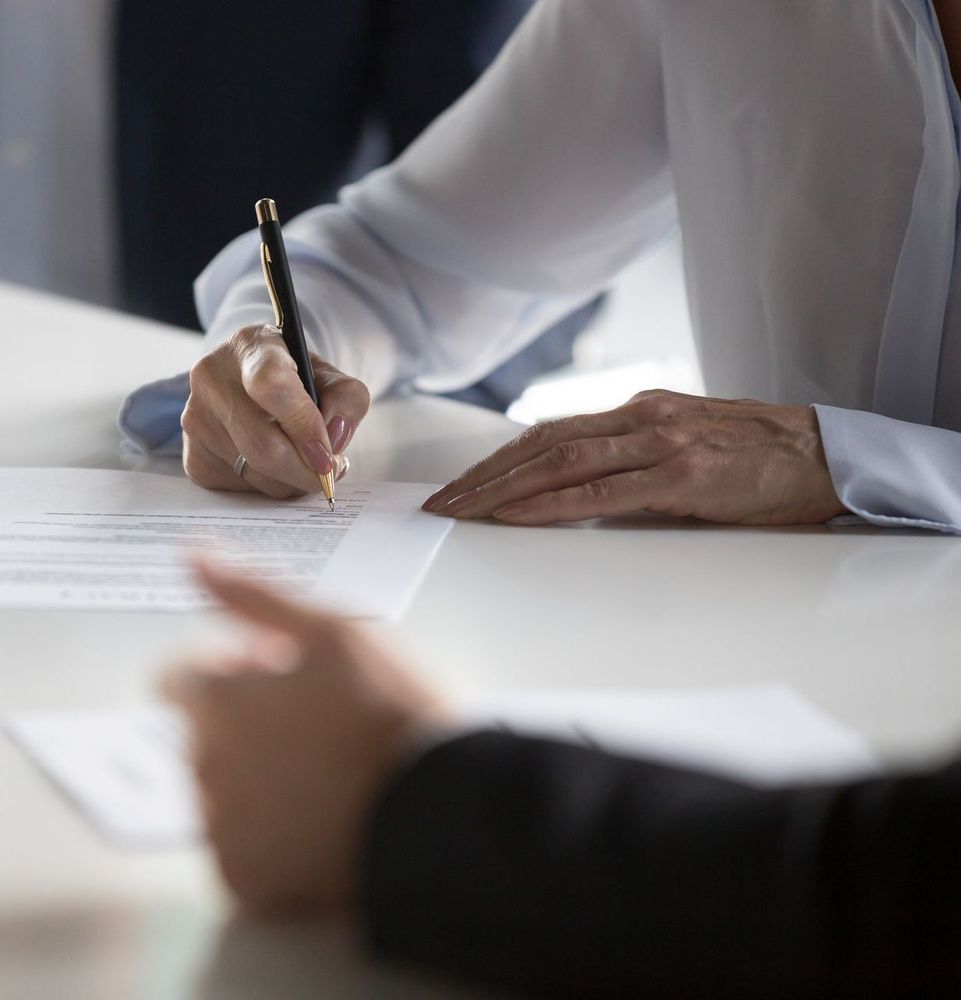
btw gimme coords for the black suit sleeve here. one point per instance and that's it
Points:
(552, 869)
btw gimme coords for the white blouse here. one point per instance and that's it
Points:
(808, 150)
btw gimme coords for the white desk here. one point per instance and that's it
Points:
(862, 622)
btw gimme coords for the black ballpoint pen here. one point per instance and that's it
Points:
(280, 288)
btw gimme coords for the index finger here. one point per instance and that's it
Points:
(344, 401)
(528, 445)
(270, 378)
(257, 603)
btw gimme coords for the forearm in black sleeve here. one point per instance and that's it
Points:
(552, 869)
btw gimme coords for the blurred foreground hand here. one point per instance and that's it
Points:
(292, 741)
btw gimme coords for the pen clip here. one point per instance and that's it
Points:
(265, 263)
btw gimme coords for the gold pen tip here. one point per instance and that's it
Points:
(327, 485)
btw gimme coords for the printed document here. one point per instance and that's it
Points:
(127, 770)
(102, 539)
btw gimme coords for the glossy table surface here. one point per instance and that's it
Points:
(862, 622)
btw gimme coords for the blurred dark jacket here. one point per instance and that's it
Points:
(221, 104)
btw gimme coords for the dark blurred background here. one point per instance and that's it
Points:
(135, 137)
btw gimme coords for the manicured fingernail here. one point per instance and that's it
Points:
(460, 505)
(339, 431)
(508, 513)
(341, 466)
(435, 500)
(318, 456)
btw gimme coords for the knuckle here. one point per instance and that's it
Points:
(190, 421)
(362, 393)
(653, 404)
(563, 457)
(539, 434)
(669, 435)
(243, 339)
(268, 384)
(656, 395)
(200, 373)
(597, 490)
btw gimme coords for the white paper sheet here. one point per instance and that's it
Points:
(126, 770)
(94, 538)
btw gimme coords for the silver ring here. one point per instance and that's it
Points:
(239, 466)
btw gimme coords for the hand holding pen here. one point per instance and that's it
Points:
(264, 414)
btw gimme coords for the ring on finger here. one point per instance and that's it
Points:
(239, 466)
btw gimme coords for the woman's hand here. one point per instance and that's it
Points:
(733, 461)
(246, 399)
(292, 741)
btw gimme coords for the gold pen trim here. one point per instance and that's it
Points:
(265, 263)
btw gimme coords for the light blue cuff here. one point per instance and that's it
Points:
(893, 473)
(150, 416)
